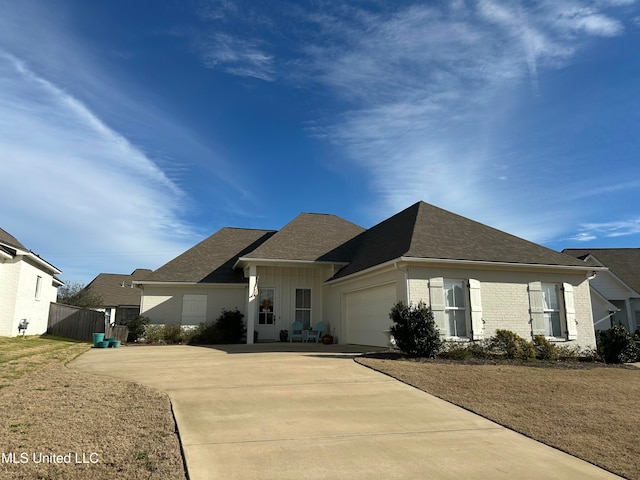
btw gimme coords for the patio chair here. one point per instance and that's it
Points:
(317, 333)
(296, 332)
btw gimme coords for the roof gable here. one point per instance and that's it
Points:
(310, 237)
(429, 232)
(623, 262)
(212, 260)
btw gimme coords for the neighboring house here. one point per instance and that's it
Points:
(615, 294)
(120, 299)
(323, 268)
(27, 287)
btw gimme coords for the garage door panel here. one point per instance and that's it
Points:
(367, 314)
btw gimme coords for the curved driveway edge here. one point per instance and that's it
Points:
(267, 412)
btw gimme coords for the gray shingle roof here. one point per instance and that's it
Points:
(8, 239)
(212, 260)
(115, 289)
(310, 237)
(623, 262)
(426, 231)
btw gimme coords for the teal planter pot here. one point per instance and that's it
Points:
(97, 338)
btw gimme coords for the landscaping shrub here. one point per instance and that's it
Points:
(228, 328)
(205, 334)
(154, 333)
(616, 345)
(479, 349)
(511, 345)
(586, 355)
(573, 352)
(414, 329)
(172, 334)
(136, 327)
(455, 351)
(544, 349)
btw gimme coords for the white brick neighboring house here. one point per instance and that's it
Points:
(323, 268)
(27, 287)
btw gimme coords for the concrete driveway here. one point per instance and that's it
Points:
(263, 412)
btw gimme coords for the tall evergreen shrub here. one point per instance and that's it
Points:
(415, 330)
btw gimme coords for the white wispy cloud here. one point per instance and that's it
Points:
(236, 56)
(77, 188)
(618, 228)
(583, 237)
(426, 88)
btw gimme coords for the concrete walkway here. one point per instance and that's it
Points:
(267, 413)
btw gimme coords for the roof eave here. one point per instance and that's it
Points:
(244, 261)
(169, 283)
(579, 268)
(475, 263)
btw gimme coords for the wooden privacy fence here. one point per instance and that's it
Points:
(81, 323)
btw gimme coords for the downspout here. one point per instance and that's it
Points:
(407, 285)
(603, 319)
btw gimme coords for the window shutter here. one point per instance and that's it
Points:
(475, 300)
(570, 312)
(436, 296)
(536, 309)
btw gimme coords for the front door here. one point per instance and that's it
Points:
(266, 315)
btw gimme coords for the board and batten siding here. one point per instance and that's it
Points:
(285, 280)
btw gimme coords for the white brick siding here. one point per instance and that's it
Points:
(505, 297)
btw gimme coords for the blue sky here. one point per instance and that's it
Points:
(129, 131)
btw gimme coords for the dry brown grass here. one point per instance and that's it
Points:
(588, 410)
(49, 409)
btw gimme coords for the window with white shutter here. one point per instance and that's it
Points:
(475, 302)
(436, 297)
(552, 310)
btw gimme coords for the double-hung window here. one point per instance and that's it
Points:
(455, 308)
(553, 312)
(38, 287)
(303, 307)
(551, 309)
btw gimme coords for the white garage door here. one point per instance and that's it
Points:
(367, 314)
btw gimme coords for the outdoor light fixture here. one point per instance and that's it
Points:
(22, 326)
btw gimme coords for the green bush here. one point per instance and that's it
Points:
(573, 352)
(136, 327)
(172, 334)
(455, 351)
(479, 349)
(205, 334)
(414, 329)
(616, 345)
(511, 345)
(154, 333)
(544, 349)
(228, 328)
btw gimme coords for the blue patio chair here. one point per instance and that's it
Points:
(296, 332)
(317, 333)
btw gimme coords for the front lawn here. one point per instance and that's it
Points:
(57, 423)
(589, 410)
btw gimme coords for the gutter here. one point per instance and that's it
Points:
(470, 263)
(284, 260)
(197, 284)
